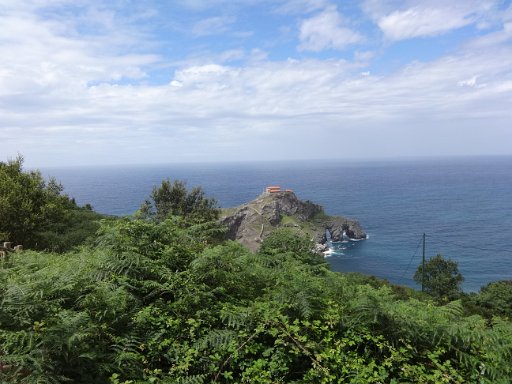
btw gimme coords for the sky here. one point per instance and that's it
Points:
(85, 82)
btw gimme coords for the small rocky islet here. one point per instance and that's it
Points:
(251, 222)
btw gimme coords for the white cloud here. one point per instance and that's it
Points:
(202, 71)
(401, 20)
(471, 82)
(301, 6)
(86, 96)
(496, 38)
(258, 55)
(364, 56)
(326, 30)
(202, 5)
(230, 112)
(231, 55)
(420, 22)
(49, 52)
(213, 25)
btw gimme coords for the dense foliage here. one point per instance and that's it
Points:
(494, 299)
(160, 298)
(163, 302)
(37, 215)
(173, 199)
(440, 278)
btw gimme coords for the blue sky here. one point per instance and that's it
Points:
(141, 82)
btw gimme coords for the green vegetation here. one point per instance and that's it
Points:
(289, 221)
(298, 226)
(495, 299)
(441, 278)
(37, 215)
(164, 301)
(173, 199)
(157, 302)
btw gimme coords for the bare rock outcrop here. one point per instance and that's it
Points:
(250, 223)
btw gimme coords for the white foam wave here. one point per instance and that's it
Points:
(329, 252)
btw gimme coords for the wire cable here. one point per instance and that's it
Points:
(412, 257)
(472, 246)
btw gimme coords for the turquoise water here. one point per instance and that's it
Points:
(463, 205)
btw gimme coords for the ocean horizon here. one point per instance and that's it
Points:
(464, 205)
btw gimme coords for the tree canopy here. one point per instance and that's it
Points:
(494, 299)
(35, 213)
(173, 199)
(441, 278)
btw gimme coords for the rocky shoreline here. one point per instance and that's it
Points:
(251, 222)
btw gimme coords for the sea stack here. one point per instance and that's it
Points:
(251, 222)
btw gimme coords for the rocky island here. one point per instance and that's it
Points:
(251, 222)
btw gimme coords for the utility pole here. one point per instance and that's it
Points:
(423, 266)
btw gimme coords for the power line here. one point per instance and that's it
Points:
(473, 246)
(423, 265)
(452, 243)
(412, 257)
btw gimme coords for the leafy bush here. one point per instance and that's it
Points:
(34, 212)
(494, 299)
(173, 199)
(160, 302)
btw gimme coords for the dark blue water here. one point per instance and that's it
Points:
(463, 205)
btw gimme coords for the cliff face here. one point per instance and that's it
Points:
(250, 223)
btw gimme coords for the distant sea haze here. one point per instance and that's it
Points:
(464, 205)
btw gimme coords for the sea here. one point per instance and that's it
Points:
(462, 205)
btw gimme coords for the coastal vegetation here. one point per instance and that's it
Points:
(36, 213)
(173, 199)
(440, 278)
(162, 298)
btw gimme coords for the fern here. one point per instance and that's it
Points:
(235, 317)
(452, 310)
(127, 356)
(192, 379)
(217, 339)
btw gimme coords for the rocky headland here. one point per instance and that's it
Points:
(251, 222)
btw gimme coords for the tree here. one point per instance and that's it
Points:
(495, 299)
(173, 199)
(35, 213)
(27, 203)
(441, 278)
